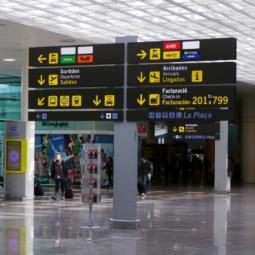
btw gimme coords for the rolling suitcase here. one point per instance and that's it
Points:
(68, 191)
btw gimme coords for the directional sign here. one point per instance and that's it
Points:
(188, 96)
(175, 74)
(176, 51)
(99, 54)
(180, 128)
(76, 99)
(201, 115)
(196, 136)
(75, 77)
(76, 115)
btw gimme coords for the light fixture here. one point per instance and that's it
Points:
(9, 59)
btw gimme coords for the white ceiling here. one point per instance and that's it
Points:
(100, 21)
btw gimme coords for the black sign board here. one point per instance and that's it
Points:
(188, 96)
(181, 128)
(196, 137)
(181, 74)
(75, 77)
(182, 50)
(76, 116)
(76, 99)
(98, 54)
(201, 115)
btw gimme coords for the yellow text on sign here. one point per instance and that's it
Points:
(155, 54)
(154, 99)
(64, 101)
(171, 55)
(154, 77)
(76, 101)
(109, 100)
(197, 76)
(53, 58)
(52, 101)
(53, 79)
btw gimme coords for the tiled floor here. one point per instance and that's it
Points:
(194, 222)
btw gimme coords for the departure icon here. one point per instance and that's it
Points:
(181, 129)
(197, 76)
(154, 77)
(76, 101)
(53, 79)
(155, 54)
(52, 101)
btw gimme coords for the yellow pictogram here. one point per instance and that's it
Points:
(141, 100)
(76, 101)
(181, 129)
(154, 77)
(142, 54)
(154, 99)
(53, 58)
(141, 78)
(174, 129)
(109, 100)
(64, 101)
(52, 101)
(53, 79)
(171, 55)
(41, 80)
(97, 101)
(41, 59)
(40, 101)
(197, 76)
(155, 54)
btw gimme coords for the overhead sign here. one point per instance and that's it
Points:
(99, 54)
(201, 115)
(181, 128)
(189, 96)
(76, 99)
(183, 74)
(196, 137)
(76, 116)
(75, 77)
(182, 50)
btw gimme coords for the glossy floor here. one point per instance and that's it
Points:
(173, 222)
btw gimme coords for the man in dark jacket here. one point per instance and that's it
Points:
(144, 169)
(59, 174)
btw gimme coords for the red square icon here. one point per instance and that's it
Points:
(172, 45)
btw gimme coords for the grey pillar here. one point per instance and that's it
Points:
(222, 181)
(125, 163)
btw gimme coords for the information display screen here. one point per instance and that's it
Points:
(13, 156)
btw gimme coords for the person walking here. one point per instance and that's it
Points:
(144, 171)
(59, 174)
(109, 171)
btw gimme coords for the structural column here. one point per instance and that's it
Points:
(125, 163)
(222, 180)
(19, 182)
(247, 128)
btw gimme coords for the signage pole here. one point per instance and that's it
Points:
(125, 163)
(222, 180)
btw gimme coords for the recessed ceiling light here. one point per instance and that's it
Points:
(9, 59)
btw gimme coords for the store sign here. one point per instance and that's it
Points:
(99, 54)
(188, 97)
(76, 99)
(76, 77)
(181, 74)
(182, 50)
(76, 115)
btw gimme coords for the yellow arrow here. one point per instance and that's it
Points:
(141, 100)
(97, 101)
(41, 81)
(141, 78)
(41, 59)
(40, 101)
(142, 54)
(175, 129)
